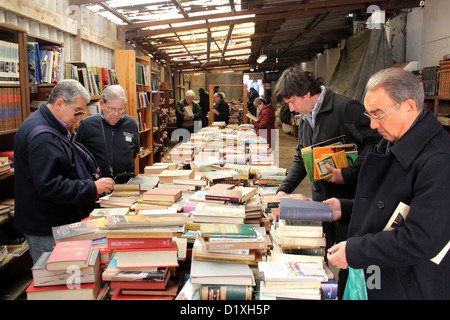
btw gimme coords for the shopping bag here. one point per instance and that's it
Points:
(355, 288)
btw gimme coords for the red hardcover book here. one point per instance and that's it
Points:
(69, 253)
(139, 243)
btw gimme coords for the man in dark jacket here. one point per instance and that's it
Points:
(48, 192)
(411, 165)
(324, 115)
(221, 110)
(204, 106)
(112, 136)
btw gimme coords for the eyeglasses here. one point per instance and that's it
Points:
(79, 113)
(380, 117)
(114, 110)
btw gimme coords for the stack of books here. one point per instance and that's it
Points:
(70, 272)
(291, 280)
(142, 264)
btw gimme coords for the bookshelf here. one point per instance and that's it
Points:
(133, 74)
(15, 108)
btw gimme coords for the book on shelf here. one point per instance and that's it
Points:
(83, 230)
(148, 257)
(10, 109)
(69, 253)
(295, 209)
(44, 277)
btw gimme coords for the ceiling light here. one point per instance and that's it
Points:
(261, 58)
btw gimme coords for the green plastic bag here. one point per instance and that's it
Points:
(355, 288)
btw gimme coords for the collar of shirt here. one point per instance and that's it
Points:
(317, 106)
(67, 127)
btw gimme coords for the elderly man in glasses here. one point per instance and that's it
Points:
(112, 136)
(410, 165)
(48, 189)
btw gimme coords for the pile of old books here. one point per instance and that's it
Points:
(222, 257)
(70, 272)
(297, 235)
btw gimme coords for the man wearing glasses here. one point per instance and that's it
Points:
(111, 136)
(48, 190)
(410, 165)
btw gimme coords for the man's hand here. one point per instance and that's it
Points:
(104, 185)
(336, 255)
(336, 207)
(337, 175)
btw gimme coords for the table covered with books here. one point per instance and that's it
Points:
(206, 224)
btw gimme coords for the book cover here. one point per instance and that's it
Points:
(136, 221)
(294, 209)
(162, 194)
(225, 192)
(155, 257)
(69, 253)
(226, 292)
(291, 271)
(319, 152)
(83, 230)
(139, 243)
(337, 160)
(227, 230)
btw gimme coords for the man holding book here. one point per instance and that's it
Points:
(324, 115)
(49, 191)
(411, 166)
(188, 111)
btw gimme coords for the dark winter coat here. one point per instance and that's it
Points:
(47, 191)
(415, 171)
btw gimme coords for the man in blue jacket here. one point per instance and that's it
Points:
(48, 191)
(410, 165)
(112, 136)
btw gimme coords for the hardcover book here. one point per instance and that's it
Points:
(69, 253)
(294, 209)
(227, 230)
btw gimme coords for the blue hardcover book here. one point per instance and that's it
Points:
(295, 209)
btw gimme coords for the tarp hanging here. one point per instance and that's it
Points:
(365, 53)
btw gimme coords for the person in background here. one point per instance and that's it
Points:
(48, 190)
(324, 115)
(111, 136)
(410, 165)
(188, 111)
(204, 106)
(251, 106)
(221, 110)
(266, 119)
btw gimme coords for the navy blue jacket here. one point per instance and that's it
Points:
(415, 171)
(47, 190)
(122, 140)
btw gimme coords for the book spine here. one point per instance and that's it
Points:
(304, 214)
(226, 292)
(139, 243)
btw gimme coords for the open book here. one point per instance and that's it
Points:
(251, 116)
(397, 220)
